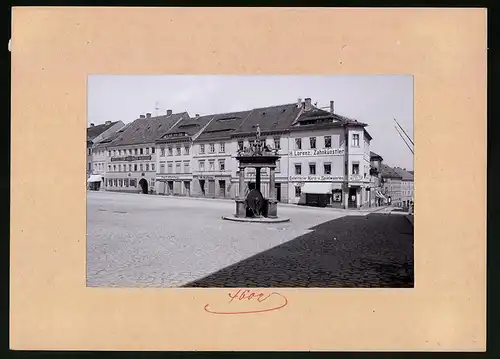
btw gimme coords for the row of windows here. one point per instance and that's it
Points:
(211, 148)
(178, 151)
(132, 167)
(327, 142)
(177, 167)
(211, 165)
(327, 168)
(124, 182)
(134, 151)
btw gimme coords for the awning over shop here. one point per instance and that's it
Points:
(317, 188)
(94, 178)
(379, 195)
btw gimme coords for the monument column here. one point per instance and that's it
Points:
(273, 206)
(240, 200)
(257, 178)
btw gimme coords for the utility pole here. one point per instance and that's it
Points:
(405, 140)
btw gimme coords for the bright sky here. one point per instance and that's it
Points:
(372, 99)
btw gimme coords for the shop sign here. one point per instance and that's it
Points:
(312, 178)
(206, 177)
(131, 158)
(318, 152)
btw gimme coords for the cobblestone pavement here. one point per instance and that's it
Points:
(154, 241)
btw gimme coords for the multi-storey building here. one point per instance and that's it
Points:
(376, 161)
(175, 156)
(131, 165)
(391, 185)
(214, 165)
(95, 134)
(406, 186)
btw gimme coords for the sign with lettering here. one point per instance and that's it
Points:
(318, 152)
(170, 177)
(312, 178)
(131, 158)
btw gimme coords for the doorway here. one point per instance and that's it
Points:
(186, 188)
(202, 186)
(144, 186)
(278, 191)
(222, 188)
(352, 198)
(170, 187)
(211, 187)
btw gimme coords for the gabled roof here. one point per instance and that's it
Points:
(389, 172)
(186, 128)
(405, 175)
(273, 118)
(375, 156)
(223, 125)
(94, 131)
(147, 130)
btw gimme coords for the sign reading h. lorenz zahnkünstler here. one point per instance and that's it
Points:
(318, 152)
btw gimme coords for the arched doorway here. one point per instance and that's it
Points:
(144, 186)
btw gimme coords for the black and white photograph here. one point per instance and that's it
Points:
(256, 181)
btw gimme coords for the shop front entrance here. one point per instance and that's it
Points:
(352, 198)
(222, 188)
(144, 186)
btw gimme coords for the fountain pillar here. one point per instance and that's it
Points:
(273, 203)
(257, 178)
(240, 200)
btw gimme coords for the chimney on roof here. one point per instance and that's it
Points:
(142, 116)
(148, 115)
(91, 125)
(308, 104)
(107, 123)
(331, 107)
(169, 112)
(299, 103)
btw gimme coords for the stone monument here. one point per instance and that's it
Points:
(254, 207)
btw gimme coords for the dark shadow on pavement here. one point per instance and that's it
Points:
(353, 251)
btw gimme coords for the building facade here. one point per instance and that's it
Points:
(406, 186)
(132, 155)
(392, 185)
(95, 134)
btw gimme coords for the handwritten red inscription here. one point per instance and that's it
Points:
(263, 301)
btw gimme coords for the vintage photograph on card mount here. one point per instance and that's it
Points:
(250, 181)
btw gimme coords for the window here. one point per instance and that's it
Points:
(355, 168)
(328, 141)
(119, 168)
(115, 182)
(222, 147)
(355, 140)
(278, 166)
(211, 165)
(152, 166)
(162, 167)
(109, 153)
(178, 151)
(298, 169)
(277, 143)
(186, 150)
(90, 152)
(162, 151)
(177, 167)
(141, 151)
(312, 142)
(297, 191)
(298, 143)
(201, 164)
(152, 150)
(135, 151)
(133, 183)
(140, 167)
(147, 150)
(135, 167)
(186, 167)
(109, 168)
(212, 148)
(152, 183)
(90, 166)
(240, 145)
(312, 168)
(169, 167)
(125, 182)
(114, 168)
(327, 168)
(170, 151)
(147, 167)
(202, 149)
(222, 165)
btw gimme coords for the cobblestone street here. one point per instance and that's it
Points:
(155, 241)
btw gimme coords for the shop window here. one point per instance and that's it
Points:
(297, 191)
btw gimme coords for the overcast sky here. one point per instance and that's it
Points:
(372, 99)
